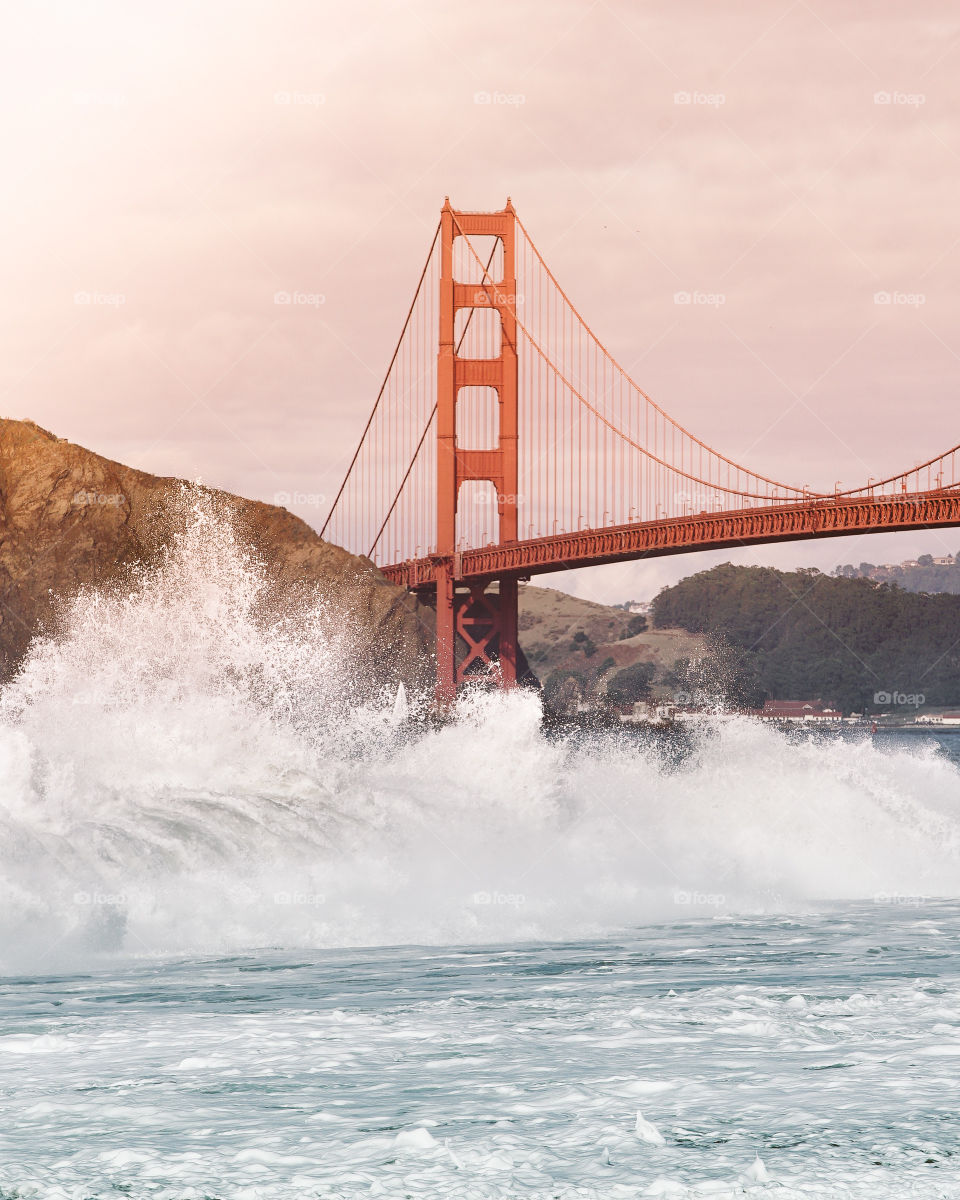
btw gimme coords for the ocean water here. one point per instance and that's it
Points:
(260, 940)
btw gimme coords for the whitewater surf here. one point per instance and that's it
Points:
(183, 772)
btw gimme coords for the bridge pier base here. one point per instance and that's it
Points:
(476, 634)
(446, 638)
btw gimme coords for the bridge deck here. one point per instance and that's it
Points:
(816, 518)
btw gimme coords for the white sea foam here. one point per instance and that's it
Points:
(499, 1074)
(182, 770)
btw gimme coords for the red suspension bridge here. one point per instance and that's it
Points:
(506, 442)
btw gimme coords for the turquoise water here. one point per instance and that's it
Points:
(945, 744)
(827, 1046)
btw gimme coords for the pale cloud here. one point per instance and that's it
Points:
(196, 160)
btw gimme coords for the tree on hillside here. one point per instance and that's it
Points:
(582, 641)
(562, 689)
(925, 560)
(631, 684)
(728, 676)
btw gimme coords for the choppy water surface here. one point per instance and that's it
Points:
(828, 1046)
(259, 940)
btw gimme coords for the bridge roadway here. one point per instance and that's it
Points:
(817, 517)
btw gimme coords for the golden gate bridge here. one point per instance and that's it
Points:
(506, 442)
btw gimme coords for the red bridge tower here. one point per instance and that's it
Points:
(483, 612)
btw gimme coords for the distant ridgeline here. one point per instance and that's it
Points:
(803, 633)
(928, 573)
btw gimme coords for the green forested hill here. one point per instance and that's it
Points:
(802, 634)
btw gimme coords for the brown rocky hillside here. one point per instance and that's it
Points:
(550, 622)
(69, 517)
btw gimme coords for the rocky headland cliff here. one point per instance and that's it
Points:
(70, 518)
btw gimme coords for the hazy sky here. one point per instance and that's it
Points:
(168, 167)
